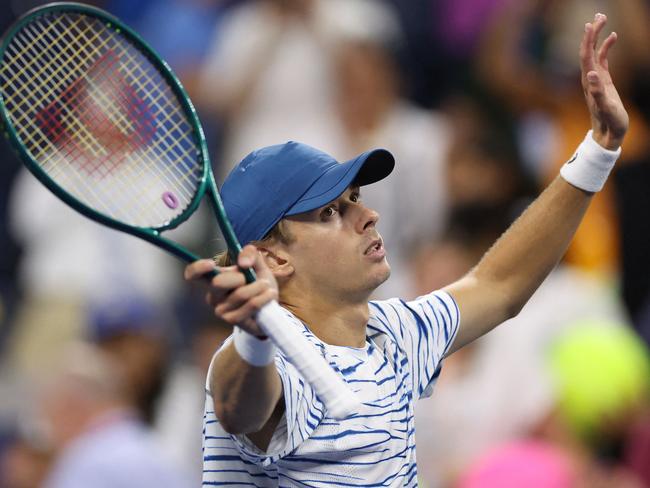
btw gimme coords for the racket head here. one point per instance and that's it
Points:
(102, 121)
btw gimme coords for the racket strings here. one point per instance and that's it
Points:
(24, 96)
(54, 157)
(29, 132)
(161, 109)
(100, 119)
(169, 96)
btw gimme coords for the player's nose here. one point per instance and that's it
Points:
(368, 218)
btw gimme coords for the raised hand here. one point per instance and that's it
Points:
(609, 120)
(231, 298)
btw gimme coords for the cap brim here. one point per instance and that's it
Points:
(367, 168)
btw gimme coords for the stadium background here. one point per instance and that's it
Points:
(480, 101)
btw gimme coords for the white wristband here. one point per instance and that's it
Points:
(257, 352)
(590, 165)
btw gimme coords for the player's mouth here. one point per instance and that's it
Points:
(375, 250)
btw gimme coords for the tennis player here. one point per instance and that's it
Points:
(315, 247)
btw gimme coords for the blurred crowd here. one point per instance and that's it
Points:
(104, 348)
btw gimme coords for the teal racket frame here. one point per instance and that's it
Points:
(207, 183)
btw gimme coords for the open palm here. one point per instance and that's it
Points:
(609, 118)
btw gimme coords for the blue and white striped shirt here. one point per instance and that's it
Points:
(405, 344)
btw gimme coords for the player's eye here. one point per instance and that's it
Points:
(329, 212)
(355, 197)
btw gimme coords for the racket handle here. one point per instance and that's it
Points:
(339, 401)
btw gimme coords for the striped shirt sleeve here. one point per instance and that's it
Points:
(424, 329)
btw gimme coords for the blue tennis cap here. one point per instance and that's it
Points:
(287, 179)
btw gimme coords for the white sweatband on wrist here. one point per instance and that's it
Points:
(257, 352)
(590, 165)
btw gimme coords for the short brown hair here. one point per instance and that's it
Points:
(278, 233)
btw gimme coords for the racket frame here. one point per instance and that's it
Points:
(206, 180)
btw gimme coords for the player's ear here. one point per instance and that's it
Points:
(278, 261)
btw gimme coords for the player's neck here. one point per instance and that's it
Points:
(338, 324)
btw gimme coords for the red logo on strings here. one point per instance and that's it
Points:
(99, 119)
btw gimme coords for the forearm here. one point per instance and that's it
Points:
(510, 272)
(244, 395)
(521, 259)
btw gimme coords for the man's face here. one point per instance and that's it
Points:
(336, 250)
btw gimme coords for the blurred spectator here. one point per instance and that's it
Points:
(168, 392)
(128, 11)
(412, 202)
(456, 29)
(180, 409)
(267, 76)
(100, 441)
(69, 260)
(67, 255)
(441, 39)
(137, 335)
(483, 167)
(22, 463)
(179, 30)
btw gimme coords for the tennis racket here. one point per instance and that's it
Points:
(103, 122)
